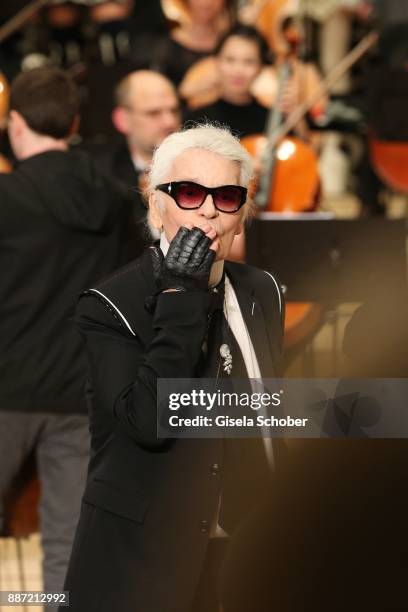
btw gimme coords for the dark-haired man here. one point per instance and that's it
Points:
(60, 229)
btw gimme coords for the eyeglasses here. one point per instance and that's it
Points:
(189, 196)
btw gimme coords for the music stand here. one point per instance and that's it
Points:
(321, 259)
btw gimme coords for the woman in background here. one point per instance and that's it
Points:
(237, 98)
(195, 39)
(242, 53)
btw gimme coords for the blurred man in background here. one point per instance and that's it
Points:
(146, 110)
(61, 229)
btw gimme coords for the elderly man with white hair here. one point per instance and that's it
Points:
(154, 510)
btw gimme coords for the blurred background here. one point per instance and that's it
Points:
(318, 92)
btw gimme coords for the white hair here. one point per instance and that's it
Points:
(215, 138)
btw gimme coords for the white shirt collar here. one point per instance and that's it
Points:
(139, 163)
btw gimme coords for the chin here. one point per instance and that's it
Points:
(221, 255)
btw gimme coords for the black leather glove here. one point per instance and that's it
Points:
(187, 264)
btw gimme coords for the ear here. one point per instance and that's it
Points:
(18, 121)
(74, 127)
(154, 212)
(120, 119)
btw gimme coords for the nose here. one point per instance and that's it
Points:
(207, 209)
(170, 121)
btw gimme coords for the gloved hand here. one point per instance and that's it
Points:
(187, 264)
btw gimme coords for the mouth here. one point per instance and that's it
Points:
(237, 81)
(217, 232)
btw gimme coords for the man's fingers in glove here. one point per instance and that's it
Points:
(177, 244)
(190, 243)
(201, 250)
(208, 260)
(157, 260)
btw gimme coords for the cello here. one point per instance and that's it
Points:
(5, 165)
(267, 16)
(292, 157)
(390, 161)
(278, 192)
(287, 158)
(274, 152)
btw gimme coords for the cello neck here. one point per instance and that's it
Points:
(272, 128)
(351, 58)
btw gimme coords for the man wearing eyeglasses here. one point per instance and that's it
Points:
(146, 110)
(157, 514)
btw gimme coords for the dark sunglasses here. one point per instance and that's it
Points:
(189, 195)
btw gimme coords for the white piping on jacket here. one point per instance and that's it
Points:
(115, 308)
(277, 286)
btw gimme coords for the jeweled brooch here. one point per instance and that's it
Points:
(225, 353)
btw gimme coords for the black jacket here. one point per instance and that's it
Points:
(149, 503)
(60, 230)
(243, 119)
(115, 163)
